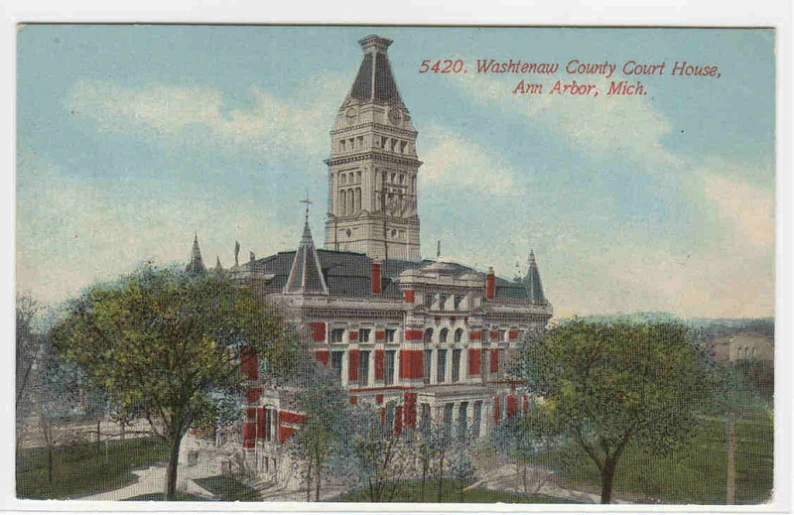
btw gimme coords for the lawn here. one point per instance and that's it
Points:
(227, 488)
(82, 469)
(410, 491)
(694, 474)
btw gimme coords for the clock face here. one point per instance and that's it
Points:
(350, 115)
(395, 116)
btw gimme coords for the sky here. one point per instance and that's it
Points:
(133, 138)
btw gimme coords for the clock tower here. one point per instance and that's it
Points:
(372, 171)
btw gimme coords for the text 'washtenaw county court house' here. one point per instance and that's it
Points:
(426, 341)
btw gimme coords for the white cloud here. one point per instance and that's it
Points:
(747, 210)
(71, 232)
(452, 160)
(597, 126)
(271, 126)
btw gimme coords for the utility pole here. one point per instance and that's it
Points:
(730, 498)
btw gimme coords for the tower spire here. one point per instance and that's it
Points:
(532, 281)
(196, 264)
(306, 276)
(372, 206)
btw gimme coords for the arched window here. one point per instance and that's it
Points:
(458, 335)
(343, 202)
(350, 200)
(442, 337)
(358, 200)
(428, 335)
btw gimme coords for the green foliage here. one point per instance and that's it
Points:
(374, 457)
(603, 384)
(83, 469)
(694, 473)
(227, 488)
(160, 341)
(758, 376)
(321, 436)
(409, 491)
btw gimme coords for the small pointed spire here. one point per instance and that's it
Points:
(532, 282)
(218, 267)
(196, 264)
(306, 276)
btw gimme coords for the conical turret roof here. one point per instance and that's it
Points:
(375, 81)
(196, 264)
(306, 276)
(532, 282)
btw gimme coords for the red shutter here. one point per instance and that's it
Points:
(512, 406)
(352, 365)
(474, 362)
(379, 357)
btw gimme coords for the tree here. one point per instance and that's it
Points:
(460, 464)
(28, 346)
(512, 440)
(324, 404)
(56, 390)
(375, 457)
(162, 341)
(606, 383)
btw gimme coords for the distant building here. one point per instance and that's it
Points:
(742, 346)
(426, 341)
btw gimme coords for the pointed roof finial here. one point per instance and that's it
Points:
(532, 282)
(307, 234)
(196, 264)
(218, 267)
(306, 276)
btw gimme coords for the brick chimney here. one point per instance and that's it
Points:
(490, 284)
(376, 277)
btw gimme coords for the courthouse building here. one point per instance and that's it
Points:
(425, 341)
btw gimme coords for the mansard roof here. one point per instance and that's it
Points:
(375, 81)
(349, 274)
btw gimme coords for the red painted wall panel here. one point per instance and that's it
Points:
(352, 367)
(474, 362)
(413, 335)
(379, 358)
(411, 364)
(512, 406)
(322, 357)
(318, 331)
(249, 435)
(260, 423)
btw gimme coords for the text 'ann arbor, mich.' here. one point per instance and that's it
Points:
(580, 78)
